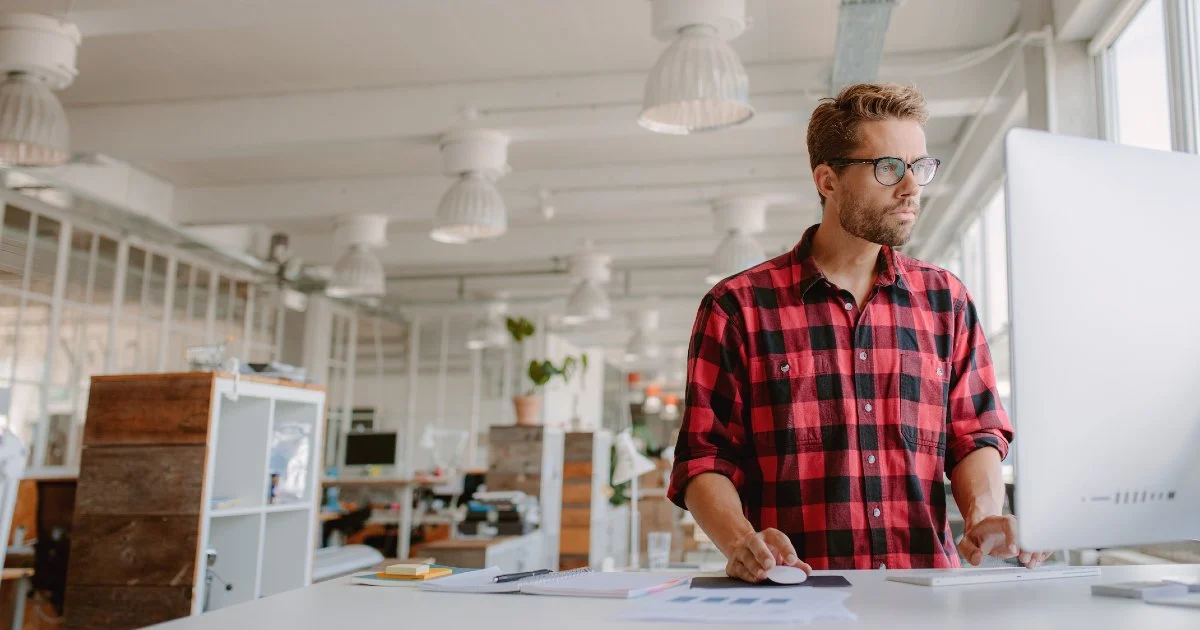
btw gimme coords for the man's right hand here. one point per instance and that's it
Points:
(755, 553)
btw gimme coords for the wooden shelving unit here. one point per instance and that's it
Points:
(158, 449)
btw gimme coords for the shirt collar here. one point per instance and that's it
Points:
(806, 274)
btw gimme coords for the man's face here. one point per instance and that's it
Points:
(868, 209)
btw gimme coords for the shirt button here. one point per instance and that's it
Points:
(876, 513)
(863, 357)
(941, 371)
(882, 566)
(870, 459)
(849, 306)
(868, 407)
(785, 367)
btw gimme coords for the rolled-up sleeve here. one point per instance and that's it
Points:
(712, 433)
(976, 417)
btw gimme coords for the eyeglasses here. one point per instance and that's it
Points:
(889, 171)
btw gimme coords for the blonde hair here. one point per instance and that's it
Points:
(833, 128)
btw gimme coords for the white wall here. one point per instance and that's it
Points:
(389, 395)
(560, 398)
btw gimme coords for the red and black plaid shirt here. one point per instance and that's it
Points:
(837, 425)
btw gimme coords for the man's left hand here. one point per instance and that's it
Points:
(996, 536)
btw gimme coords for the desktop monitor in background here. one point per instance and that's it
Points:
(1103, 245)
(371, 449)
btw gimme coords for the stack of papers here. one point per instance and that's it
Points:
(744, 605)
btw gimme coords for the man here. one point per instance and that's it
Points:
(830, 389)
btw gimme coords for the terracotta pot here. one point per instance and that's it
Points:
(527, 408)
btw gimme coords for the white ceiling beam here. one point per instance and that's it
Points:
(645, 239)
(166, 16)
(539, 305)
(529, 109)
(1076, 20)
(592, 192)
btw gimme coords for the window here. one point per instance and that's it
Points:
(53, 339)
(995, 249)
(979, 257)
(1139, 80)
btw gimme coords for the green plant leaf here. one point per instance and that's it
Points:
(568, 368)
(540, 372)
(519, 328)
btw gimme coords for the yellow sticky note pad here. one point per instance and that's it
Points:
(429, 575)
(407, 569)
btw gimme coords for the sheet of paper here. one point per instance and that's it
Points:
(744, 605)
(813, 581)
(481, 581)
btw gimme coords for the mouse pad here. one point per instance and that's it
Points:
(818, 581)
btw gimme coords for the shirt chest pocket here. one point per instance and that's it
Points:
(924, 397)
(786, 401)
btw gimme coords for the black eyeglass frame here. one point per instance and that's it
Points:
(837, 162)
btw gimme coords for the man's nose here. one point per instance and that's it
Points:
(908, 186)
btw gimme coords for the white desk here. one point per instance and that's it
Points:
(1050, 605)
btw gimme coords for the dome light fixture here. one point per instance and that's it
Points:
(589, 270)
(699, 83)
(37, 57)
(738, 218)
(358, 273)
(641, 344)
(490, 331)
(472, 209)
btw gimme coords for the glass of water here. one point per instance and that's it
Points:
(658, 549)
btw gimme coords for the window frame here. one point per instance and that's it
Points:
(1181, 22)
(163, 324)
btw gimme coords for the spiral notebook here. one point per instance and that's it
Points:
(573, 583)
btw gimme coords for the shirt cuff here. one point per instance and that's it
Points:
(684, 471)
(964, 445)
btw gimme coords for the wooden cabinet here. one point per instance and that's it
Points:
(585, 499)
(530, 459)
(177, 464)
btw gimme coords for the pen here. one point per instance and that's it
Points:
(513, 577)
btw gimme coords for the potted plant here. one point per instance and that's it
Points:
(529, 403)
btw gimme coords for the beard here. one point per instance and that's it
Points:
(876, 223)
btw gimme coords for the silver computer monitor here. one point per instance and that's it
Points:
(1104, 258)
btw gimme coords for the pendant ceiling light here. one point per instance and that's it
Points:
(642, 344)
(358, 273)
(472, 209)
(489, 331)
(588, 302)
(738, 218)
(698, 84)
(37, 57)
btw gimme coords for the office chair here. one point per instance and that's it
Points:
(56, 506)
(12, 465)
(348, 524)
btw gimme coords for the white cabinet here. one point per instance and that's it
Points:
(264, 470)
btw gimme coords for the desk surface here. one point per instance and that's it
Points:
(16, 574)
(1050, 605)
(382, 482)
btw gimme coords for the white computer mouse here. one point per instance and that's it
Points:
(786, 575)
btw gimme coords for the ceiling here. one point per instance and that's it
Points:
(288, 113)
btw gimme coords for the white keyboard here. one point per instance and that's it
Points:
(960, 577)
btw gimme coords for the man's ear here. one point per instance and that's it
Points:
(825, 179)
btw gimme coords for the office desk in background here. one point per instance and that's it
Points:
(402, 494)
(882, 605)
